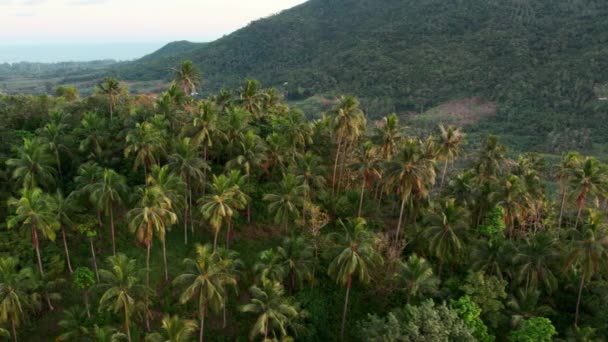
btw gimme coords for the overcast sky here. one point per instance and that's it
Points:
(115, 21)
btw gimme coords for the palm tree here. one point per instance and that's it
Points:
(205, 125)
(355, 255)
(52, 133)
(449, 143)
(188, 76)
(589, 179)
(414, 174)
(367, 167)
(297, 255)
(175, 329)
(447, 225)
(416, 277)
(310, 169)
(269, 267)
(205, 281)
(525, 305)
(588, 248)
(151, 217)
(252, 98)
(16, 293)
(570, 162)
(192, 170)
(220, 205)
(65, 208)
(349, 124)
(111, 88)
(34, 209)
(122, 290)
(276, 314)
(107, 193)
(534, 261)
(289, 202)
(33, 165)
(491, 159)
(228, 260)
(92, 128)
(75, 325)
(389, 135)
(146, 142)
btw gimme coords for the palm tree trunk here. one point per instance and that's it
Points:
(216, 233)
(561, 208)
(248, 202)
(186, 212)
(578, 300)
(94, 259)
(67, 251)
(37, 248)
(348, 284)
(86, 303)
(190, 211)
(204, 169)
(225, 324)
(578, 216)
(342, 163)
(163, 242)
(14, 329)
(333, 179)
(228, 229)
(112, 230)
(58, 161)
(148, 247)
(202, 331)
(361, 197)
(400, 220)
(445, 170)
(127, 324)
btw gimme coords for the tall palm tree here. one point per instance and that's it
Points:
(415, 276)
(192, 170)
(75, 325)
(388, 136)
(65, 207)
(491, 159)
(188, 76)
(288, 203)
(205, 126)
(92, 128)
(447, 227)
(414, 174)
(355, 255)
(122, 289)
(175, 329)
(33, 166)
(228, 260)
(569, 164)
(53, 133)
(146, 142)
(310, 169)
(297, 255)
(275, 313)
(252, 98)
(367, 168)
(205, 281)
(152, 216)
(108, 193)
(349, 125)
(220, 205)
(588, 248)
(111, 88)
(589, 180)
(16, 293)
(450, 144)
(34, 210)
(534, 261)
(269, 267)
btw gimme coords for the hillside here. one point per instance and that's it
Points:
(534, 58)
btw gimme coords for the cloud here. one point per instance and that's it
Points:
(25, 14)
(87, 2)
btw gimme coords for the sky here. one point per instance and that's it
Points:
(56, 22)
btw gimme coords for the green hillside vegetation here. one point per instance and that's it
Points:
(235, 217)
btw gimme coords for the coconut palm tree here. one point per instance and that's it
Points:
(587, 249)
(367, 168)
(122, 291)
(112, 89)
(188, 76)
(192, 170)
(204, 281)
(252, 97)
(228, 260)
(33, 166)
(34, 210)
(146, 142)
(491, 159)
(276, 315)
(449, 147)
(354, 255)
(92, 128)
(65, 207)
(569, 164)
(269, 267)
(288, 203)
(388, 136)
(589, 180)
(16, 293)
(75, 325)
(53, 133)
(175, 329)
(416, 277)
(220, 205)
(534, 261)
(108, 193)
(297, 255)
(447, 227)
(205, 126)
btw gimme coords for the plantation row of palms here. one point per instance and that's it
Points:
(272, 206)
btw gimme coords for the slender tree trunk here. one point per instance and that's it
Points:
(58, 162)
(67, 251)
(86, 303)
(127, 324)
(14, 329)
(578, 300)
(361, 197)
(342, 163)
(112, 230)
(37, 248)
(228, 230)
(148, 247)
(333, 178)
(216, 233)
(561, 208)
(348, 285)
(248, 202)
(205, 169)
(163, 242)
(445, 170)
(225, 324)
(186, 212)
(94, 259)
(190, 211)
(400, 220)
(202, 331)
(578, 216)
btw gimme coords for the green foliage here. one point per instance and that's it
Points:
(83, 278)
(469, 312)
(488, 292)
(537, 329)
(494, 224)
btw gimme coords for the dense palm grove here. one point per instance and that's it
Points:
(171, 218)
